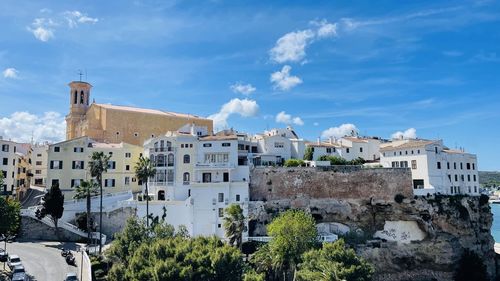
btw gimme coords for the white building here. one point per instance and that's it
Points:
(68, 165)
(39, 156)
(197, 178)
(434, 167)
(329, 148)
(14, 164)
(360, 147)
(276, 146)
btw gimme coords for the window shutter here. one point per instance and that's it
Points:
(83, 164)
(52, 164)
(60, 165)
(73, 164)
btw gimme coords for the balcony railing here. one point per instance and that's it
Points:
(161, 149)
(214, 165)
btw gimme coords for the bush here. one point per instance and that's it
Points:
(483, 199)
(81, 222)
(399, 198)
(294, 163)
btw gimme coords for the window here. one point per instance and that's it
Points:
(78, 149)
(418, 151)
(436, 149)
(38, 172)
(468, 166)
(406, 152)
(55, 182)
(328, 150)
(207, 145)
(56, 165)
(75, 97)
(451, 189)
(475, 179)
(237, 198)
(128, 154)
(395, 164)
(219, 225)
(38, 163)
(418, 184)
(6, 161)
(57, 149)
(111, 165)
(170, 160)
(468, 177)
(455, 165)
(449, 178)
(225, 144)
(127, 180)
(347, 150)
(225, 177)
(221, 197)
(207, 177)
(182, 145)
(461, 166)
(403, 164)
(439, 165)
(216, 157)
(191, 145)
(39, 155)
(78, 165)
(414, 164)
(5, 147)
(279, 145)
(473, 166)
(361, 149)
(221, 212)
(462, 177)
(400, 153)
(185, 178)
(456, 177)
(76, 182)
(109, 183)
(475, 188)
(448, 165)
(187, 159)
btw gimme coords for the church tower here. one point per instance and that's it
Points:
(79, 96)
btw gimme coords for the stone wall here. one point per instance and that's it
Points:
(301, 183)
(32, 229)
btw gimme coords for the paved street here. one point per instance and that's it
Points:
(43, 260)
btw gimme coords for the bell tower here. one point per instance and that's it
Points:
(79, 96)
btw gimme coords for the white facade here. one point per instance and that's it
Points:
(39, 157)
(434, 167)
(276, 146)
(68, 164)
(197, 178)
(11, 155)
(360, 147)
(325, 149)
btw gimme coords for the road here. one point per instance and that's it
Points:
(43, 260)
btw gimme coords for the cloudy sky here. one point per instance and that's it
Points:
(428, 69)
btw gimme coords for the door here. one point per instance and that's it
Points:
(225, 177)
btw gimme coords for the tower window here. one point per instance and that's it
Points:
(75, 97)
(81, 97)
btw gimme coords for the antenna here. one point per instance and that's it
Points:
(86, 75)
(80, 73)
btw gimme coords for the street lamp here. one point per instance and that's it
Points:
(5, 239)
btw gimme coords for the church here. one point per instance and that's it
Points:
(115, 124)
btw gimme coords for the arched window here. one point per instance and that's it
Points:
(152, 159)
(75, 98)
(81, 97)
(187, 159)
(186, 178)
(170, 160)
(160, 160)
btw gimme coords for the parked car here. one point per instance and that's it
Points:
(18, 269)
(13, 260)
(3, 255)
(19, 277)
(71, 277)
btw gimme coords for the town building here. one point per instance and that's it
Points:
(15, 166)
(360, 147)
(275, 146)
(435, 168)
(321, 148)
(39, 157)
(68, 165)
(115, 124)
(197, 177)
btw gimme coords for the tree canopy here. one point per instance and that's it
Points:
(294, 163)
(9, 215)
(234, 224)
(308, 153)
(53, 205)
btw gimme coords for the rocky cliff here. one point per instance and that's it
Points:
(406, 238)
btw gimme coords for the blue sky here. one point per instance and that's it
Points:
(321, 66)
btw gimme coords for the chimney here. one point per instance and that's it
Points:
(318, 141)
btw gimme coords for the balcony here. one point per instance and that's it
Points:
(161, 149)
(201, 166)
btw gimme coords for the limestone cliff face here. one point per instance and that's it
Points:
(419, 238)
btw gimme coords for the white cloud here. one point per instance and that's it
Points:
(243, 107)
(282, 79)
(243, 89)
(411, 133)
(340, 131)
(75, 17)
(291, 47)
(10, 73)
(285, 118)
(325, 29)
(20, 126)
(43, 29)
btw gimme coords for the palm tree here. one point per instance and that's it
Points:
(98, 165)
(234, 225)
(144, 169)
(86, 189)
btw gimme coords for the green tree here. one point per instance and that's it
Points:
(127, 241)
(9, 215)
(2, 180)
(294, 163)
(334, 262)
(53, 204)
(98, 165)
(308, 153)
(293, 233)
(252, 275)
(234, 225)
(86, 189)
(143, 171)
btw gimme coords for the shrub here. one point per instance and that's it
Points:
(399, 198)
(294, 163)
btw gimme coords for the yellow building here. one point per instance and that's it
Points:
(116, 124)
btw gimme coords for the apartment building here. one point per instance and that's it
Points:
(198, 177)
(39, 156)
(329, 148)
(435, 168)
(360, 147)
(14, 164)
(276, 146)
(68, 165)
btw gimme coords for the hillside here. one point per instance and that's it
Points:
(487, 178)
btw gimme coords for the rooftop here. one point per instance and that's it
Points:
(414, 143)
(148, 111)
